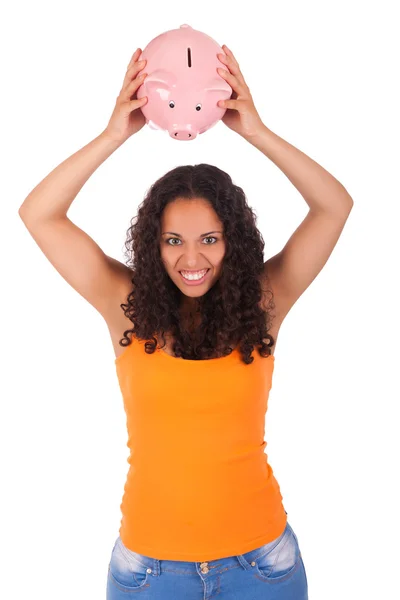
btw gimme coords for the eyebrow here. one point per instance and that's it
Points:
(178, 235)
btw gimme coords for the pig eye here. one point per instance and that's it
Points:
(198, 106)
(172, 104)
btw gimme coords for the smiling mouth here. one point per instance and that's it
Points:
(195, 278)
(192, 272)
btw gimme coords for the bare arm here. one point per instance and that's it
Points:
(100, 279)
(53, 196)
(80, 261)
(304, 255)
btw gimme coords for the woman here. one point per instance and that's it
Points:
(194, 321)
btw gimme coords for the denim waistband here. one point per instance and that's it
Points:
(212, 566)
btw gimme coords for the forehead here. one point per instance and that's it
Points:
(190, 215)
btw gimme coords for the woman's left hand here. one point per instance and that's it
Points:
(241, 115)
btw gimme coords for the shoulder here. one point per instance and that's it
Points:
(118, 295)
(273, 299)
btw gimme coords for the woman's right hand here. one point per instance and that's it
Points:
(127, 119)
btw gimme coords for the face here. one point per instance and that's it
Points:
(192, 239)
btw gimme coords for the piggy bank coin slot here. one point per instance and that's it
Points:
(189, 57)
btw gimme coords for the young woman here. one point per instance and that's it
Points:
(194, 319)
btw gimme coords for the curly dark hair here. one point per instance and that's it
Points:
(230, 310)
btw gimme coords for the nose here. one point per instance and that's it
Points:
(182, 134)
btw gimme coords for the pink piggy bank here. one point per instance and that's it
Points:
(183, 85)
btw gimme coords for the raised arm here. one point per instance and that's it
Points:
(99, 278)
(75, 255)
(293, 269)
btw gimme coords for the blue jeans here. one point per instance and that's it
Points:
(274, 571)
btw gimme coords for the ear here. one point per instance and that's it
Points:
(160, 79)
(219, 85)
(152, 125)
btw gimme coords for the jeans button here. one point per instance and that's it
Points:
(204, 567)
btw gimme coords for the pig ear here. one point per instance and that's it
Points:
(218, 85)
(152, 124)
(163, 79)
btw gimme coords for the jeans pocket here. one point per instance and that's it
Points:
(282, 561)
(125, 569)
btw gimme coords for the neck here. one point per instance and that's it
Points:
(189, 307)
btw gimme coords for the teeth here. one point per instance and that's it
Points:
(193, 276)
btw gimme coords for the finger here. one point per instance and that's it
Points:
(136, 103)
(135, 56)
(230, 54)
(239, 87)
(132, 72)
(133, 60)
(232, 66)
(133, 86)
(229, 104)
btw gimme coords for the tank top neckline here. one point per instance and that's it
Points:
(182, 360)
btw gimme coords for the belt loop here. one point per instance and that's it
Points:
(156, 566)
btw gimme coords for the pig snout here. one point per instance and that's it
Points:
(182, 132)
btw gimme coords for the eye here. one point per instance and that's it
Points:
(198, 106)
(173, 239)
(172, 104)
(210, 237)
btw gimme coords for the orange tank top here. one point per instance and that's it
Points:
(199, 486)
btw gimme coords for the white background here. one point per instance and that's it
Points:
(323, 76)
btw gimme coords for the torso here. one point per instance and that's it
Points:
(117, 323)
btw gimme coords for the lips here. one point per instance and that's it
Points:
(193, 272)
(194, 281)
